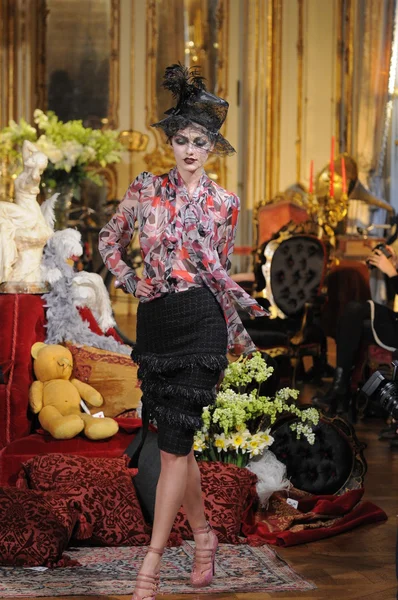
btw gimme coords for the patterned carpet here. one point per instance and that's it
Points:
(105, 571)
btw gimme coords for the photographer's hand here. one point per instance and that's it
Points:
(379, 260)
(393, 257)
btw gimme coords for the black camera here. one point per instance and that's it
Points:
(383, 249)
(384, 390)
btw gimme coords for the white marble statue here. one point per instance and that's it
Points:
(25, 226)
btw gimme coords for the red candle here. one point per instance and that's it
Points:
(311, 186)
(343, 174)
(331, 187)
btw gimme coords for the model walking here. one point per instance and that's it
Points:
(186, 318)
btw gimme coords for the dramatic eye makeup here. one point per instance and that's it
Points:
(181, 140)
(199, 142)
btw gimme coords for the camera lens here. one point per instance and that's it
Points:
(388, 396)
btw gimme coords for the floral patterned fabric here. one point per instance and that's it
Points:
(185, 243)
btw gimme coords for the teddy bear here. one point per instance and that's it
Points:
(56, 398)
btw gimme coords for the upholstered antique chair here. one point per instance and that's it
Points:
(334, 464)
(289, 273)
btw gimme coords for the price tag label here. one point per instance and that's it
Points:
(99, 415)
(292, 502)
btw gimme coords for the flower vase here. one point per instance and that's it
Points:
(62, 206)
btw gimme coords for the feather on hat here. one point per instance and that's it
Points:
(194, 104)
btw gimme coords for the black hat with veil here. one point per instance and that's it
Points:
(194, 106)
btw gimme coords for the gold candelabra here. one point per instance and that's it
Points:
(328, 213)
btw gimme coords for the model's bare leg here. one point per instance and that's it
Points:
(205, 539)
(193, 503)
(169, 496)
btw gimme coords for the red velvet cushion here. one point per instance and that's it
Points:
(35, 527)
(228, 493)
(103, 487)
(19, 451)
(56, 470)
(21, 325)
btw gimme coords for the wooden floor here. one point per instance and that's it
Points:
(356, 565)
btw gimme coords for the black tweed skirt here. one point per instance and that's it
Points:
(181, 352)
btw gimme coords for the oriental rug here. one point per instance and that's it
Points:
(111, 571)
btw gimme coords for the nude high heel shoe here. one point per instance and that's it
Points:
(146, 586)
(204, 561)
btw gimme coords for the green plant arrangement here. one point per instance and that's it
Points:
(74, 151)
(238, 426)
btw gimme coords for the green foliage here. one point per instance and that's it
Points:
(70, 147)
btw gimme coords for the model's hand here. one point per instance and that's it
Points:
(143, 289)
(379, 260)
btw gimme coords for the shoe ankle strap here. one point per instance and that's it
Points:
(156, 550)
(206, 529)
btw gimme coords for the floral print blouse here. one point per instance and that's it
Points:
(185, 242)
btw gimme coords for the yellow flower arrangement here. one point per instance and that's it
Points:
(238, 426)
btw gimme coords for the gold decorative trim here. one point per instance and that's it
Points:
(349, 78)
(114, 73)
(270, 100)
(161, 159)
(132, 83)
(278, 86)
(39, 95)
(340, 47)
(273, 94)
(256, 84)
(300, 66)
(12, 84)
(2, 62)
(24, 56)
(344, 74)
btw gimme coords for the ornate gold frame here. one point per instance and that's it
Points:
(161, 159)
(39, 94)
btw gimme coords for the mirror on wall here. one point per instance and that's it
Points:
(187, 33)
(194, 33)
(79, 66)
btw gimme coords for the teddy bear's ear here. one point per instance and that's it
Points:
(35, 349)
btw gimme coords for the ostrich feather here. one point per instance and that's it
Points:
(182, 82)
(47, 210)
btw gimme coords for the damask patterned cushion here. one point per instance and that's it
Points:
(113, 375)
(35, 527)
(46, 471)
(229, 494)
(104, 488)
